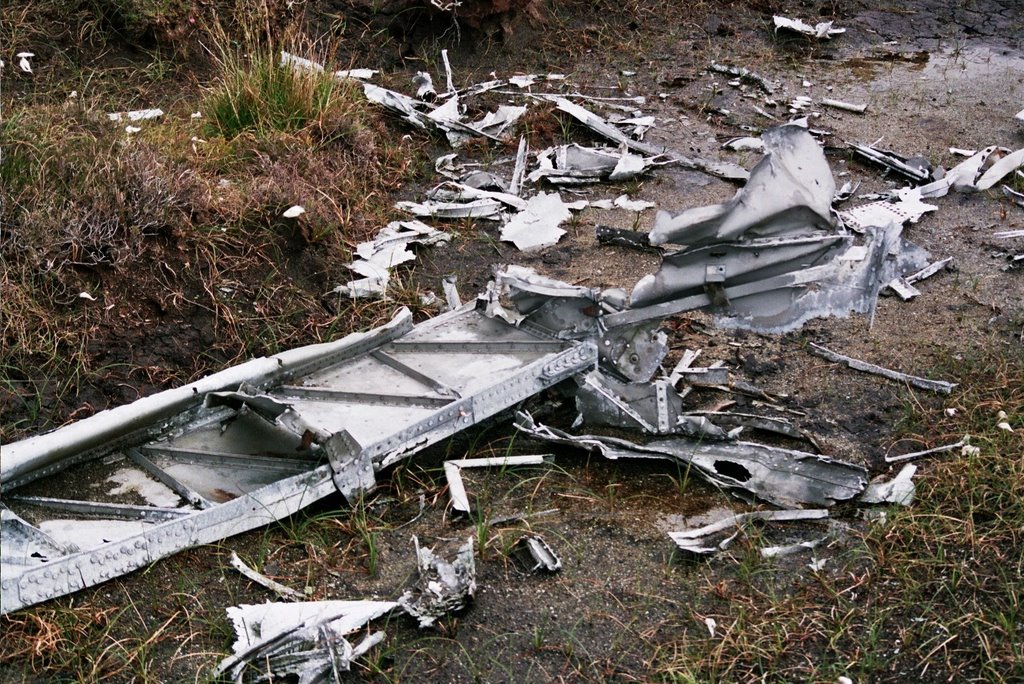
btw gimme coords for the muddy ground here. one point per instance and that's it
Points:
(934, 75)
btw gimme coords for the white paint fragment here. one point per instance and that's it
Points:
(822, 30)
(817, 564)
(623, 202)
(130, 130)
(136, 115)
(23, 62)
(294, 211)
(523, 81)
(133, 480)
(86, 295)
(537, 225)
(899, 490)
(196, 115)
(711, 624)
(358, 74)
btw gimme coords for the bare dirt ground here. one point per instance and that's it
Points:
(625, 606)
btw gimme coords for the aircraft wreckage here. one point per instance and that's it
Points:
(259, 441)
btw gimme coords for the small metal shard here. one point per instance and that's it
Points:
(443, 587)
(822, 30)
(451, 292)
(623, 202)
(276, 641)
(846, 106)
(928, 452)
(1014, 196)
(899, 490)
(137, 115)
(743, 74)
(790, 549)
(424, 86)
(263, 580)
(541, 556)
(453, 474)
(699, 541)
(519, 172)
(617, 237)
(921, 383)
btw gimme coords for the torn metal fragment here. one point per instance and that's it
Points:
(263, 580)
(444, 587)
(907, 208)
(744, 74)
(599, 125)
(453, 474)
(899, 490)
(537, 225)
(388, 249)
(790, 190)
(574, 164)
(400, 104)
(623, 202)
(904, 286)
(482, 208)
(496, 123)
(913, 380)
(450, 192)
(822, 30)
(744, 144)
(307, 641)
(782, 477)
(424, 86)
(1016, 197)
(928, 452)
(451, 292)
(979, 172)
(846, 106)
(609, 236)
(539, 554)
(654, 407)
(917, 169)
(790, 549)
(137, 115)
(700, 541)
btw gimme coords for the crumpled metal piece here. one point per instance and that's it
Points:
(783, 477)
(305, 640)
(789, 193)
(699, 541)
(443, 587)
(822, 30)
(979, 172)
(899, 490)
(574, 164)
(519, 294)
(654, 407)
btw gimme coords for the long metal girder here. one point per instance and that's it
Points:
(255, 443)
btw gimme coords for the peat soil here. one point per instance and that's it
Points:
(934, 75)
